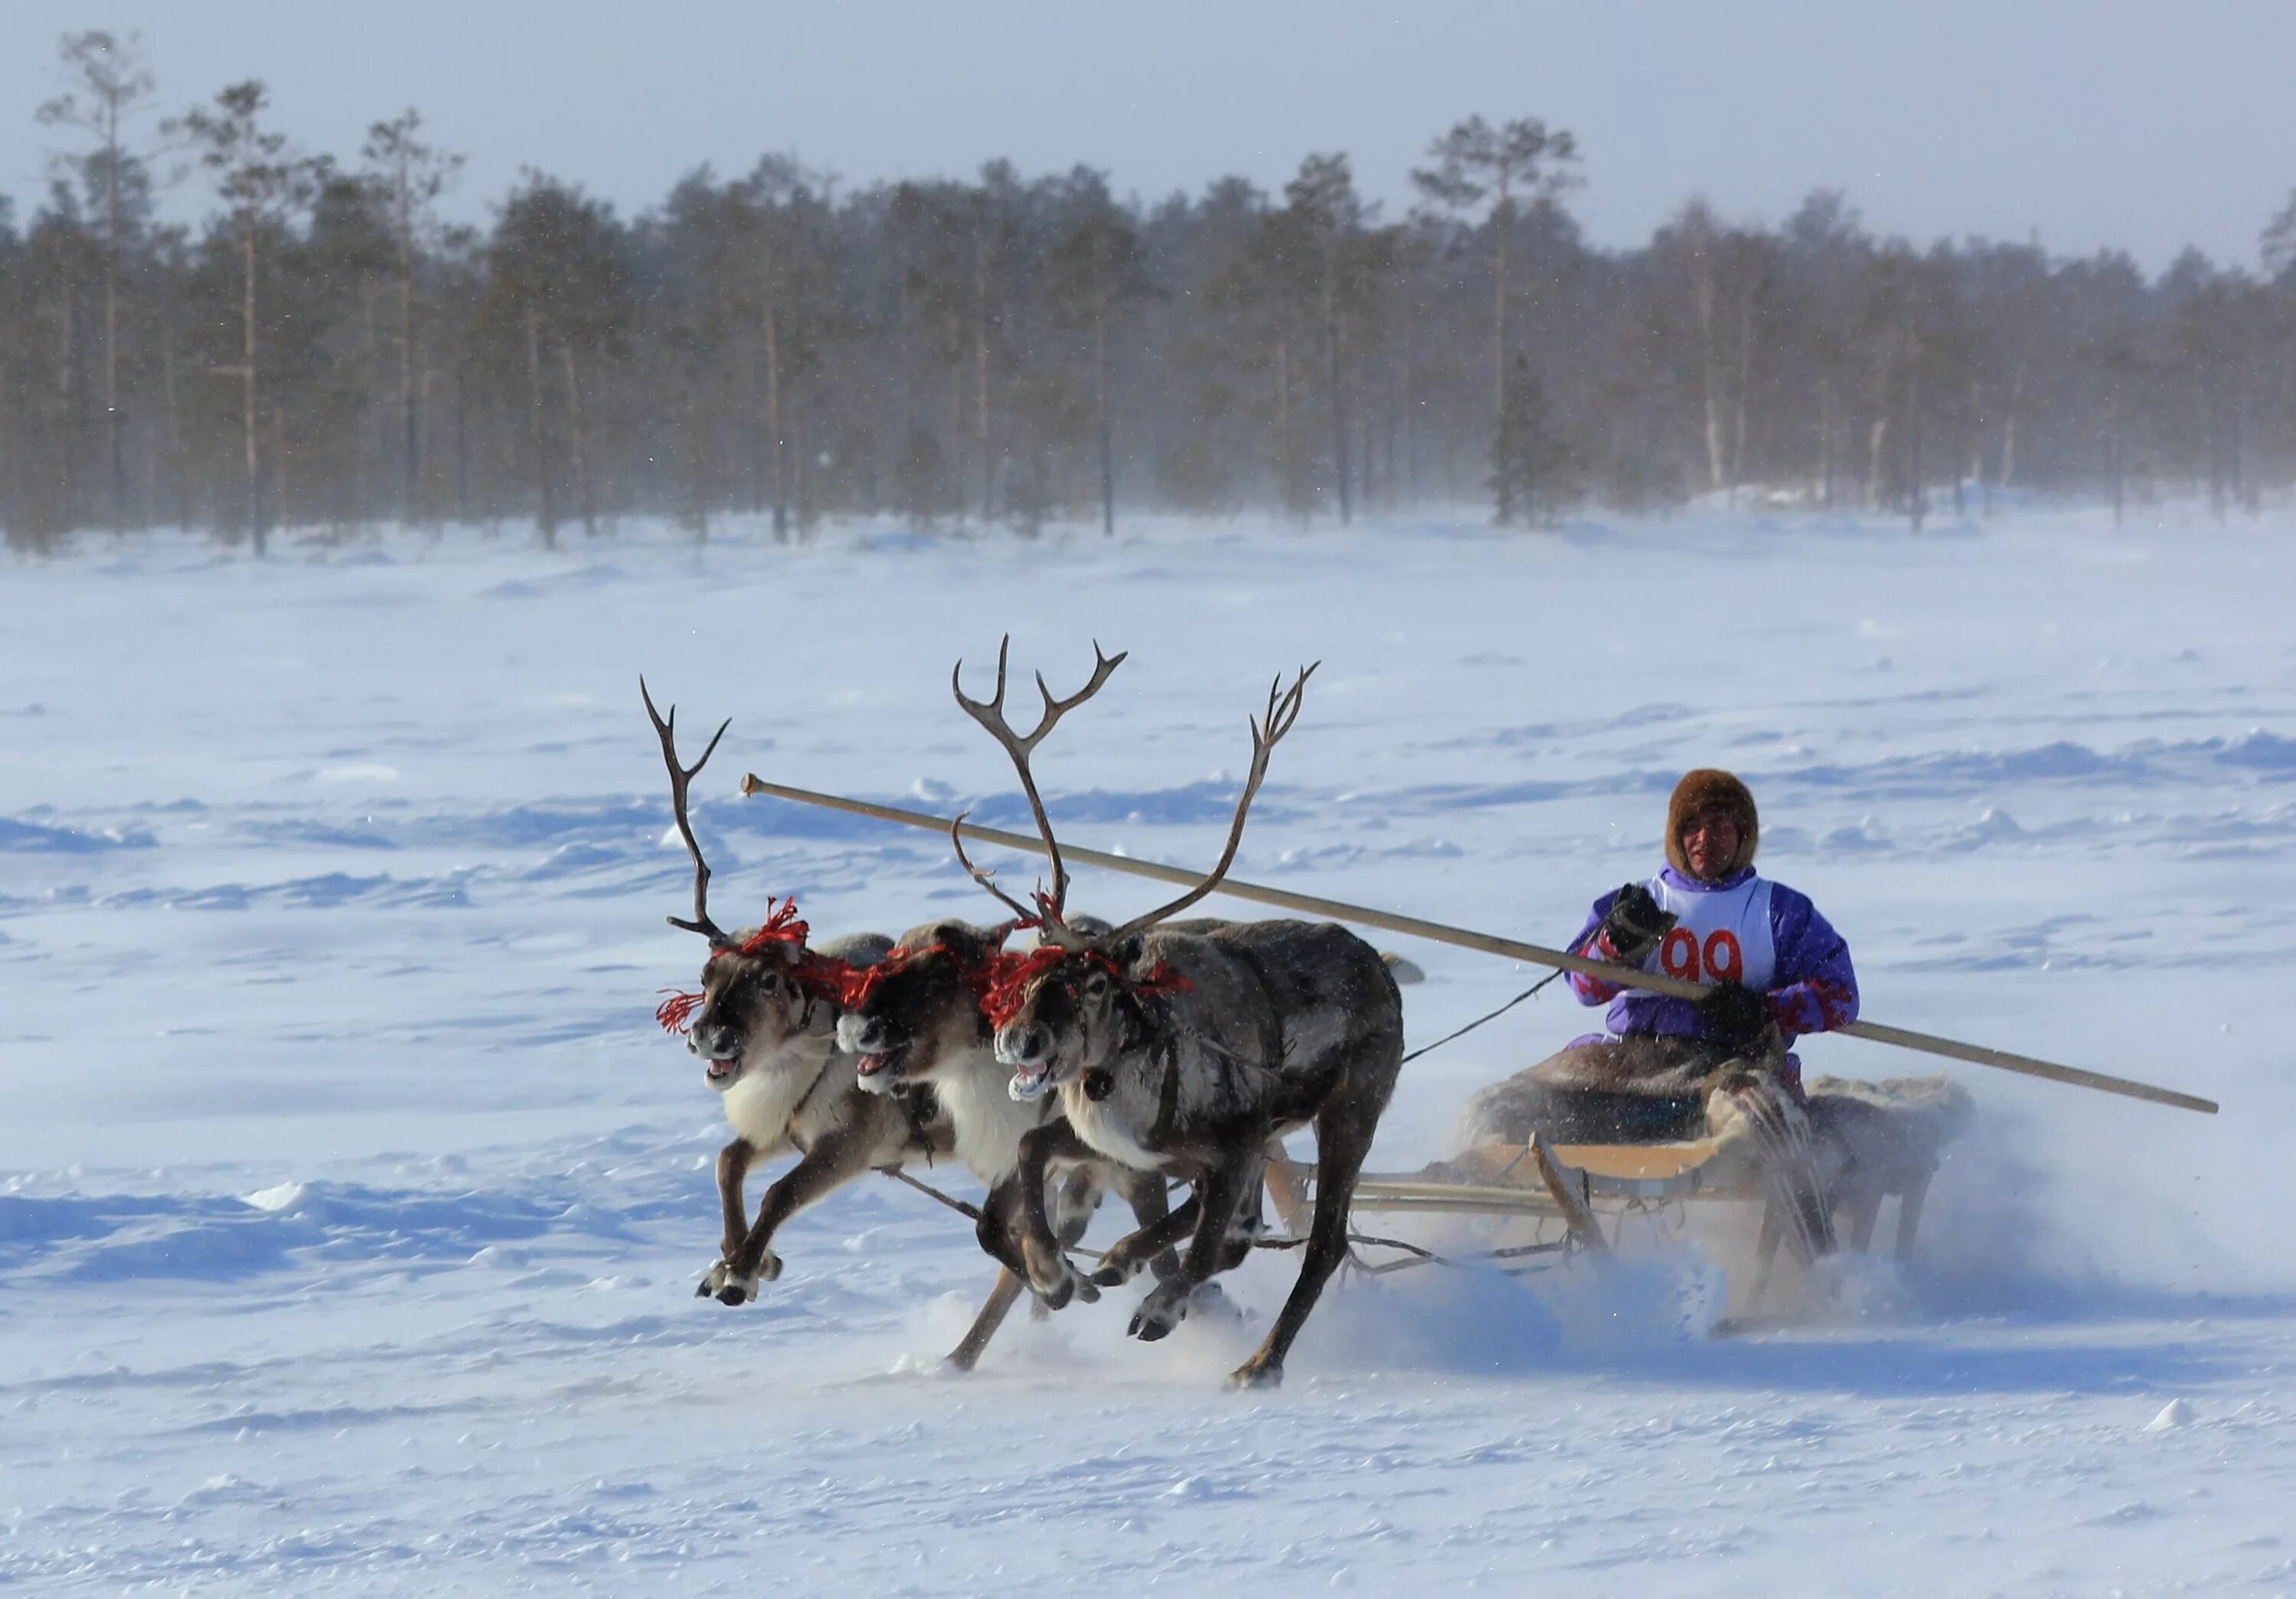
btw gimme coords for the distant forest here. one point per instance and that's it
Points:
(325, 352)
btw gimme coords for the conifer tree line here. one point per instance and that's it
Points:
(325, 350)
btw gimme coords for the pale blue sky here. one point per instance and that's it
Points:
(2146, 126)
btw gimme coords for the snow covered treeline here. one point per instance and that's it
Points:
(1008, 347)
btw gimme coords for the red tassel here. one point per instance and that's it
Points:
(676, 1013)
(781, 927)
(1012, 976)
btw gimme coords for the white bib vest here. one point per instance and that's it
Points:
(1721, 936)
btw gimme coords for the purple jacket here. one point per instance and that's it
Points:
(1816, 988)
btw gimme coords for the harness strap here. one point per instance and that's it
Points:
(806, 1098)
(912, 1099)
(1168, 1097)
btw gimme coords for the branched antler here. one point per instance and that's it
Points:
(681, 778)
(990, 715)
(1267, 731)
(987, 879)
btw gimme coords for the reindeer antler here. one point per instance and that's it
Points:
(1267, 731)
(990, 715)
(680, 778)
(987, 879)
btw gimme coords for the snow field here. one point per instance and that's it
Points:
(350, 1203)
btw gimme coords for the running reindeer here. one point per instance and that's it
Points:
(917, 1018)
(1183, 1054)
(765, 1024)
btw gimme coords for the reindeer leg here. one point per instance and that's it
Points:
(1217, 1191)
(998, 1237)
(1250, 1219)
(1010, 1286)
(836, 1157)
(733, 1167)
(1343, 1134)
(1909, 1215)
(996, 1232)
(1287, 1185)
(1135, 1250)
(1150, 1195)
(1865, 1209)
(1042, 1259)
(1079, 1200)
(1765, 1252)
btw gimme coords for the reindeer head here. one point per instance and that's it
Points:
(1080, 997)
(919, 1008)
(1060, 1012)
(762, 988)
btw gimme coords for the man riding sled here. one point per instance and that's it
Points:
(1777, 967)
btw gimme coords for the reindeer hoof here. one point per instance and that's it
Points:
(770, 1270)
(1054, 1289)
(1251, 1374)
(1210, 1300)
(1111, 1277)
(727, 1285)
(1161, 1312)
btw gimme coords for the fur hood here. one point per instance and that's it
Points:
(1699, 791)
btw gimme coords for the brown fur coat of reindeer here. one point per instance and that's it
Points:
(917, 1018)
(1183, 1054)
(764, 1024)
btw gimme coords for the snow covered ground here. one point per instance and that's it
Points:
(351, 1203)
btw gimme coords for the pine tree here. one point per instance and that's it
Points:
(1531, 469)
(1475, 163)
(264, 183)
(411, 175)
(112, 91)
(558, 286)
(1095, 270)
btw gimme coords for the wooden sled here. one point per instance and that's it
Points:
(1578, 1197)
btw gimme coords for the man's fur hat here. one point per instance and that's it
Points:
(1708, 789)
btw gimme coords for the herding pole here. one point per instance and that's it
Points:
(1624, 977)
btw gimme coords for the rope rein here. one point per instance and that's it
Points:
(1531, 992)
(1160, 983)
(806, 1098)
(1415, 1254)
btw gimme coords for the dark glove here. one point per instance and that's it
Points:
(1635, 924)
(1733, 1013)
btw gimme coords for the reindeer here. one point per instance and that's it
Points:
(915, 1018)
(1183, 1053)
(765, 1025)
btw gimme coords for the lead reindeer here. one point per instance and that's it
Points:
(765, 1025)
(1183, 1054)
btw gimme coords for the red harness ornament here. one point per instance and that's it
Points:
(1013, 976)
(817, 976)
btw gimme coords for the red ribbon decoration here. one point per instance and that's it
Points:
(1012, 976)
(861, 981)
(675, 1013)
(818, 976)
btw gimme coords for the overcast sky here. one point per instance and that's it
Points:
(2142, 126)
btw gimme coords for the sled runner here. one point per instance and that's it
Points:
(1867, 1143)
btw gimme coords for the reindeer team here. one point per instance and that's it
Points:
(1121, 1059)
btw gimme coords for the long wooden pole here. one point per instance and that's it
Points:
(1438, 932)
